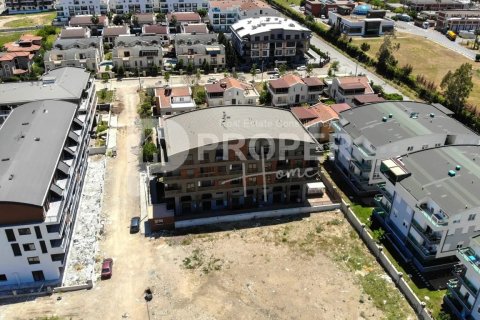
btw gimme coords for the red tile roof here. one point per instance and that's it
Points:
(312, 81)
(115, 31)
(9, 56)
(368, 98)
(225, 84)
(339, 107)
(184, 16)
(286, 81)
(165, 101)
(195, 28)
(354, 83)
(303, 113)
(73, 32)
(156, 28)
(30, 37)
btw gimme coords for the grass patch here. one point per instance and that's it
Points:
(289, 2)
(31, 20)
(9, 37)
(363, 213)
(197, 260)
(105, 96)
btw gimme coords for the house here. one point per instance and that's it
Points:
(270, 40)
(344, 89)
(316, 119)
(27, 43)
(138, 53)
(39, 199)
(142, 19)
(373, 24)
(319, 8)
(366, 98)
(429, 205)
(255, 8)
(176, 19)
(292, 90)
(199, 50)
(128, 6)
(457, 20)
(15, 64)
(173, 100)
(26, 6)
(213, 173)
(229, 92)
(86, 21)
(366, 135)
(463, 291)
(113, 32)
(433, 5)
(74, 33)
(68, 9)
(194, 28)
(159, 30)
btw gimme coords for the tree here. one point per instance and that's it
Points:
(309, 68)
(365, 46)
(190, 68)
(406, 70)
(265, 95)
(282, 69)
(310, 18)
(160, 17)
(198, 75)
(221, 38)
(200, 96)
(149, 150)
(202, 12)
(135, 21)
(95, 19)
(108, 56)
(253, 71)
(385, 55)
(334, 67)
(166, 76)
(457, 87)
(117, 20)
(120, 72)
(179, 65)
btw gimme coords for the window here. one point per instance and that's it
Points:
(28, 247)
(471, 217)
(38, 232)
(460, 245)
(437, 145)
(43, 246)
(3, 277)
(410, 148)
(33, 260)
(252, 180)
(58, 257)
(38, 276)
(10, 235)
(190, 187)
(425, 146)
(16, 249)
(252, 167)
(24, 231)
(236, 181)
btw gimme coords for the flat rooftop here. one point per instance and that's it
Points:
(409, 119)
(32, 139)
(453, 194)
(262, 24)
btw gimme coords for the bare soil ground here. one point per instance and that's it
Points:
(26, 20)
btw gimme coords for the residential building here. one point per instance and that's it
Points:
(137, 53)
(373, 24)
(227, 162)
(199, 49)
(194, 28)
(159, 30)
(270, 40)
(86, 8)
(27, 43)
(230, 92)
(344, 89)
(173, 100)
(291, 90)
(142, 19)
(176, 19)
(15, 64)
(74, 33)
(462, 297)
(27, 6)
(39, 199)
(255, 8)
(317, 119)
(433, 5)
(86, 21)
(458, 20)
(362, 99)
(113, 32)
(318, 8)
(128, 6)
(3, 7)
(366, 135)
(429, 204)
(166, 6)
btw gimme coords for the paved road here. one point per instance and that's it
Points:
(436, 37)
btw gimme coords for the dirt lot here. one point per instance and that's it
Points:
(310, 268)
(27, 20)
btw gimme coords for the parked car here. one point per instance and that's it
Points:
(135, 225)
(275, 76)
(301, 68)
(258, 71)
(107, 266)
(276, 70)
(212, 80)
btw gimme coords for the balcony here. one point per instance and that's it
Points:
(427, 251)
(431, 237)
(381, 203)
(454, 292)
(385, 192)
(467, 284)
(470, 258)
(363, 166)
(336, 126)
(438, 219)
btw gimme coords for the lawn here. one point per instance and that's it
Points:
(289, 2)
(428, 59)
(9, 37)
(105, 96)
(363, 213)
(31, 20)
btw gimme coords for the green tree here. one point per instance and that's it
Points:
(221, 38)
(108, 56)
(166, 76)
(457, 86)
(200, 96)
(149, 150)
(198, 75)
(95, 19)
(120, 72)
(265, 95)
(135, 21)
(385, 55)
(282, 69)
(253, 71)
(160, 17)
(190, 68)
(118, 19)
(179, 65)
(202, 12)
(309, 69)
(334, 67)
(365, 46)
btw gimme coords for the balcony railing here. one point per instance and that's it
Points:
(430, 237)
(438, 219)
(385, 192)
(379, 200)
(364, 166)
(471, 258)
(426, 251)
(467, 284)
(454, 291)
(365, 153)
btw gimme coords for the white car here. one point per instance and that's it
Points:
(276, 70)
(301, 68)
(274, 76)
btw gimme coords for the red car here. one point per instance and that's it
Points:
(107, 266)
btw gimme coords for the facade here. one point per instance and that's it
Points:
(74, 33)
(15, 64)
(373, 24)
(458, 20)
(67, 8)
(166, 6)
(292, 90)
(433, 5)
(194, 28)
(144, 19)
(39, 201)
(317, 120)
(345, 89)
(231, 92)
(173, 100)
(430, 211)
(27, 6)
(137, 53)
(158, 30)
(176, 19)
(270, 39)
(199, 48)
(110, 34)
(318, 8)
(462, 297)
(128, 6)
(366, 135)
(224, 162)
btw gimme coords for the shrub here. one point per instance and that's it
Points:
(149, 150)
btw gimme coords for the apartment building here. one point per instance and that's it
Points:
(199, 48)
(458, 20)
(15, 64)
(71, 8)
(366, 135)
(346, 89)
(270, 40)
(167, 6)
(39, 201)
(291, 90)
(317, 120)
(318, 8)
(433, 5)
(373, 24)
(220, 160)
(29, 6)
(462, 297)
(129, 6)
(230, 92)
(429, 210)
(138, 53)
(173, 100)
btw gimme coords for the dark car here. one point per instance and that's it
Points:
(135, 225)
(107, 266)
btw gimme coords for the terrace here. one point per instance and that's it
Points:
(469, 257)
(438, 219)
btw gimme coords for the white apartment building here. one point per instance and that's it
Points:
(346, 89)
(39, 201)
(366, 135)
(132, 6)
(173, 100)
(463, 293)
(430, 204)
(137, 53)
(166, 6)
(230, 92)
(70, 8)
(195, 49)
(373, 24)
(291, 90)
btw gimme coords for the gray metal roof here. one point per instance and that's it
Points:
(206, 126)
(32, 139)
(429, 169)
(80, 43)
(367, 121)
(63, 84)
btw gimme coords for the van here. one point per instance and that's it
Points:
(451, 35)
(135, 225)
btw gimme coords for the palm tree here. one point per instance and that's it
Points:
(95, 19)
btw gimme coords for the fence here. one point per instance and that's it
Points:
(377, 251)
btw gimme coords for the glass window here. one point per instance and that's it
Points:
(28, 247)
(24, 231)
(33, 260)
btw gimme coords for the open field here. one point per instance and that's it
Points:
(9, 37)
(27, 20)
(427, 58)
